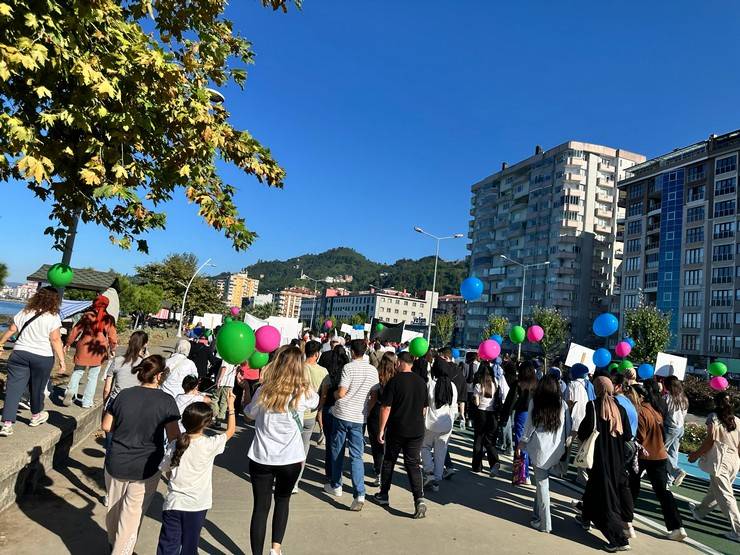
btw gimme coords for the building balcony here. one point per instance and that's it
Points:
(652, 245)
(602, 197)
(654, 210)
(652, 228)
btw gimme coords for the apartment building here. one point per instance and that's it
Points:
(557, 209)
(680, 243)
(236, 288)
(288, 301)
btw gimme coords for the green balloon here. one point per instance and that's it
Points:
(228, 319)
(418, 347)
(717, 368)
(258, 360)
(60, 275)
(613, 366)
(379, 327)
(235, 342)
(625, 365)
(517, 334)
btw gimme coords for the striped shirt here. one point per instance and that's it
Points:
(358, 377)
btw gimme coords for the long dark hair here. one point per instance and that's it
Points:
(526, 376)
(136, 344)
(676, 397)
(484, 377)
(547, 404)
(337, 360)
(194, 419)
(654, 398)
(724, 410)
(44, 300)
(443, 387)
(148, 369)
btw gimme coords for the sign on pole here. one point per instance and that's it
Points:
(580, 354)
(670, 365)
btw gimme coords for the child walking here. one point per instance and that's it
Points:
(189, 464)
(224, 388)
(190, 385)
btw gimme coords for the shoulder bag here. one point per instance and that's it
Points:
(28, 323)
(585, 456)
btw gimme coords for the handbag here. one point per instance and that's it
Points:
(585, 456)
(519, 470)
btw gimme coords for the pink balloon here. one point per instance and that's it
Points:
(235, 310)
(623, 349)
(535, 334)
(267, 339)
(328, 324)
(489, 349)
(719, 383)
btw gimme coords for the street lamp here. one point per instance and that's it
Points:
(434, 280)
(524, 268)
(315, 294)
(185, 296)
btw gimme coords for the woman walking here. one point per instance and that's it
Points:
(179, 366)
(678, 407)
(29, 366)
(652, 413)
(138, 418)
(120, 373)
(545, 432)
(276, 455)
(719, 458)
(96, 338)
(485, 424)
(387, 368)
(335, 361)
(606, 501)
(438, 422)
(517, 403)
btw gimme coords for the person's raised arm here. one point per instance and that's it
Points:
(56, 344)
(231, 414)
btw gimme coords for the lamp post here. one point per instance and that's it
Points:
(524, 268)
(315, 294)
(185, 296)
(434, 280)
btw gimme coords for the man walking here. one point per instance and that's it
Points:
(349, 412)
(403, 410)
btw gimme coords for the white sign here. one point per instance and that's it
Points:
(408, 335)
(580, 354)
(346, 328)
(209, 321)
(670, 365)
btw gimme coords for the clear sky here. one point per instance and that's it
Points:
(385, 112)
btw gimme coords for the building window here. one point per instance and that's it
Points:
(691, 320)
(633, 263)
(635, 209)
(692, 298)
(651, 260)
(720, 320)
(725, 186)
(723, 230)
(636, 190)
(695, 235)
(724, 208)
(651, 279)
(669, 256)
(632, 282)
(696, 193)
(723, 274)
(695, 214)
(722, 297)
(689, 342)
(633, 228)
(725, 165)
(695, 256)
(719, 344)
(633, 245)
(722, 252)
(667, 296)
(631, 301)
(695, 173)
(693, 277)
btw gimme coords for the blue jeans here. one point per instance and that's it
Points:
(90, 385)
(541, 511)
(672, 443)
(520, 418)
(505, 432)
(351, 432)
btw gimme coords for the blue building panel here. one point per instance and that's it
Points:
(671, 234)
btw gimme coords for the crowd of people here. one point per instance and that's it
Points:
(161, 418)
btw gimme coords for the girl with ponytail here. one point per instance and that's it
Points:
(188, 462)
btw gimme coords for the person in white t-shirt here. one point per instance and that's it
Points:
(188, 462)
(179, 366)
(191, 394)
(38, 340)
(276, 455)
(224, 386)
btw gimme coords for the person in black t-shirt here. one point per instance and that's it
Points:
(402, 429)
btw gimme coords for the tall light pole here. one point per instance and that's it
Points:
(315, 294)
(185, 296)
(524, 268)
(434, 280)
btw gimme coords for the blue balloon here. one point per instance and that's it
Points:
(471, 289)
(602, 357)
(456, 353)
(645, 371)
(630, 341)
(605, 324)
(498, 339)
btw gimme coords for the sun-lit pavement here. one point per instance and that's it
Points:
(471, 513)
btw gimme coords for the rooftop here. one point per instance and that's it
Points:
(84, 278)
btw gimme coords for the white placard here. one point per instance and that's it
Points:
(580, 354)
(408, 335)
(356, 334)
(670, 365)
(346, 328)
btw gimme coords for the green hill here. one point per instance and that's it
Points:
(413, 275)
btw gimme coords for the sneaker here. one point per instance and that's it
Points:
(381, 499)
(585, 524)
(105, 500)
(609, 548)
(273, 552)
(67, 400)
(6, 430)
(732, 536)
(421, 509)
(376, 482)
(694, 508)
(38, 419)
(495, 470)
(536, 524)
(357, 504)
(295, 490)
(87, 406)
(448, 473)
(527, 482)
(677, 535)
(434, 486)
(428, 479)
(679, 479)
(629, 531)
(336, 492)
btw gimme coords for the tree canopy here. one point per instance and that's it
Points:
(3, 273)
(555, 326)
(651, 330)
(497, 325)
(106, 110)
(444, 326)
(139, 298)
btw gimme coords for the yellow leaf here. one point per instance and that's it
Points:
(119, 171)
(5, 10)
(104, 87)
(184, 171)
(31, 167)
(4, 73)
(43, 92)
(89, 177)
(31, 20)
(68, 151)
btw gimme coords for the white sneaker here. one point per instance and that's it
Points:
(295, 490)
(336, 492)
(694, 508)
(357, 504)
(679, 479)
(105, 500)
(39, 419)
(677, 535)
(6, 430)
(629, 531)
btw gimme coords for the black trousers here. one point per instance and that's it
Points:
(283, 478)
(485, 427)
(376, 448)
(411, 447)
(180, 532)
(657, 473)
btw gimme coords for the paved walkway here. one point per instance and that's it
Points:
(470, 514)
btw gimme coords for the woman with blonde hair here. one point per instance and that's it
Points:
(387, 368)
(277, 455)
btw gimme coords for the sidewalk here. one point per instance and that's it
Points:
(470, 514)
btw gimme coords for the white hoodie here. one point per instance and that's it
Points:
(439, 420)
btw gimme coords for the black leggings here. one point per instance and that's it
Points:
(376, 448)
(485, 427)
(263, 478)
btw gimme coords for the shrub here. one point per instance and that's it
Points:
(693, 437)
(701, 396)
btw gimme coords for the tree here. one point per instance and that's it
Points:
(555, 326)
(3, 273)
(106, 111)
(497, 325)
(357, 319)
(139, 298)
(650, 328)
(172, 274)
(444, 326)
(263, 311)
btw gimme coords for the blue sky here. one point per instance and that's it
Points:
(384, 113)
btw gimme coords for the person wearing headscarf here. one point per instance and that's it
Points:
(97, 339)
(179, 366)
(580, 393)
(607, 502)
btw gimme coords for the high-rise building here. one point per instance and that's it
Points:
(288, 301)
(557, 208)
(235, 288)
(680, 245)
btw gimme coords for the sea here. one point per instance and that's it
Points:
(10, 308)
